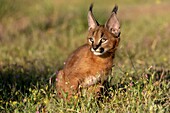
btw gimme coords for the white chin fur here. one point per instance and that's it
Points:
(96, 53)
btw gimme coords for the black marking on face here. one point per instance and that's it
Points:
(95, 47)
(101, 50)
(102, 34)
(91, 40)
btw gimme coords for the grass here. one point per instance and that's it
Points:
(37, 36)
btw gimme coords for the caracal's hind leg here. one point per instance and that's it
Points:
(60, 83)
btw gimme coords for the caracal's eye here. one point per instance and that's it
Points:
(91, 40)
(103, 40)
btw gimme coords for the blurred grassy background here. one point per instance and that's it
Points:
(37, 36)
(45, 30)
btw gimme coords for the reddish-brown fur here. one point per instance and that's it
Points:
(84, 69)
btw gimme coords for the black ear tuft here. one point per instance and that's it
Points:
(115, 9)
(91, 7)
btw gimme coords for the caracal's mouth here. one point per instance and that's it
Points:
(98, 52)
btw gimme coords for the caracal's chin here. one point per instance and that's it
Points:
(97, 53)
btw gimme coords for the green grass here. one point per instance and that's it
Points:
(36, 37)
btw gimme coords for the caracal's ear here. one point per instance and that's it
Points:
(92, 23)
(112, 23)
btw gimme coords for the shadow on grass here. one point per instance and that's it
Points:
(16, 79)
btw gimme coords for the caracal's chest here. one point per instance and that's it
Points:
(86, 66)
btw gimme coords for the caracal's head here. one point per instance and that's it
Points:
(103, 38)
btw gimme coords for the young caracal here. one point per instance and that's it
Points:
(89, 65)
